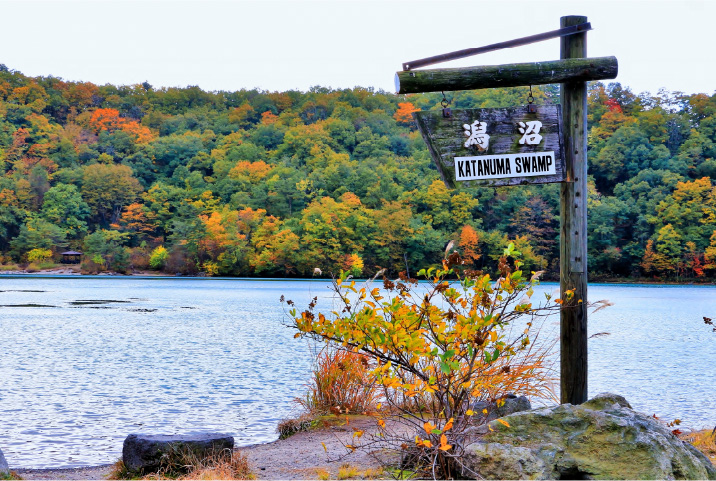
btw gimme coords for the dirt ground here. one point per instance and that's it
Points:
(301, 456)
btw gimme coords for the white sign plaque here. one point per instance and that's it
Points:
(504, 166)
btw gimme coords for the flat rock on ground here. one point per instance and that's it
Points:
(298, 457)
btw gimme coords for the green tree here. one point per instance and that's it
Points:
(107, 189)
(64, 207)
(37, 233)
(109, 246)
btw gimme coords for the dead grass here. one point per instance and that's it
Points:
(290, 426)
(704, 441)
(12, 475)
(322, 474)
(347, 471)
(183, 465)
(341, 384)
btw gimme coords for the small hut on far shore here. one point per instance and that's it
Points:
(71, 257)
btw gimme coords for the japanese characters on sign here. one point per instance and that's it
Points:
(495, 147)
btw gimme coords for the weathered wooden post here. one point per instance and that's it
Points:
(573, 225)
(514, 146)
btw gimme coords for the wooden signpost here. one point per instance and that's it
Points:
(495, 147)
(488, 147)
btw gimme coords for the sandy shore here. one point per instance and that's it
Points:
(299, 457)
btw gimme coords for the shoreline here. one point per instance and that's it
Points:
(298, 457)
(71, 271)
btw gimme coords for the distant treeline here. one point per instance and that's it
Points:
(255, 183)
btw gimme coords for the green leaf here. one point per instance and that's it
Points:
(445, 367)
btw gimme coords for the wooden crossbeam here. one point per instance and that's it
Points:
(509, 75)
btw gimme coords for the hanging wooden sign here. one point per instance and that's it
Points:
(495, 147)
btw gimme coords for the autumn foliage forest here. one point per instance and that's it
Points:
(255, 183)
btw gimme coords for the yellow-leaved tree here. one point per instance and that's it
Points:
(436, 350)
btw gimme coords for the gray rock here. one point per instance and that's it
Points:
(512, 404)
(600, 439)
(4, 468)
(143, 453)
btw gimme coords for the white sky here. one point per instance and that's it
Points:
(296, 44)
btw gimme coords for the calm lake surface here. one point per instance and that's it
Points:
(84, 361)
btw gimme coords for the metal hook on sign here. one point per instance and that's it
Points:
(446, 111)
(531, 107)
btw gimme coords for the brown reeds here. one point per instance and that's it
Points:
(341, 384)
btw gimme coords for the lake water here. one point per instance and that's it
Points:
(84, 361)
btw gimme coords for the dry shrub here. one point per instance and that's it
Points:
(180, 262)
(88, 266)
(341, 384)
(138, 258)
(41, 265)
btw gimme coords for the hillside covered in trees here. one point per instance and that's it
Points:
(255, 183)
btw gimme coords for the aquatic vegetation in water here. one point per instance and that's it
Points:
(82, 302)
(26, 305)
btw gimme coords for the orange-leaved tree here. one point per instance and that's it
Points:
(436, 350)
(404, 114)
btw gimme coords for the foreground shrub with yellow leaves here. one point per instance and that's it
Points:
(435, 350)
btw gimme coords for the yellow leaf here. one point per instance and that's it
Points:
(427, 444)
(428, 427)
(357, 433)
(502, 421)
(448, 426)
(484, 411)
(379, 405)
(469, 412)
(444, 446)
(381, 423)
(324, 447)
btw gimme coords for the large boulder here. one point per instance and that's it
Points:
(600, 439)
(4, 468)
(144, 453)
(510, 404)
